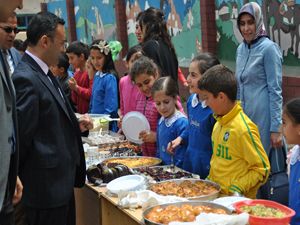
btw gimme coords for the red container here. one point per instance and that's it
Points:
(256, 220)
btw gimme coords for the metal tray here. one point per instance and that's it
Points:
(167, 168)
(156, 161)
(193, 203)
(211, 196)
(104, 139)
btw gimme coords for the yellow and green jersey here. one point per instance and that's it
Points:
(239, 162)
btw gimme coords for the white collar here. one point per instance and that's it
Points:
(100, 73)
(169, 121)
(40, 62)
(195, 101)
(295, 154)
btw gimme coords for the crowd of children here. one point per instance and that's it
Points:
(214, 138)
(193, 141)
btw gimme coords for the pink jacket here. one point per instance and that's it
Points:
(128, 95)
(146, 105)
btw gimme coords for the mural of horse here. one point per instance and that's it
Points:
(286, 15)
(295, 32)
(273, 8)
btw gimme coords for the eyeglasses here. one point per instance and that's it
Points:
(10, 29)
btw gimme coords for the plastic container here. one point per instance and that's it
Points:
(256, 220)
(100, 122)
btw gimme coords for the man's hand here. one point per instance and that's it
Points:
(276, 140)
(85, 123)
(18, 192)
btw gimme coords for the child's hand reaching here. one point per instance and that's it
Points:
(148, 136)
(174, 144)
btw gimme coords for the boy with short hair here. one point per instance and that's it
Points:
(80, 84)
(60, 71)
(239, 162)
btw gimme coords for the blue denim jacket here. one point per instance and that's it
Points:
(259, 77)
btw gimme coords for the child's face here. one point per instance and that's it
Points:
(145, 82)
(138, 32)
(215, 103)
(165, 104)
(291, 131)
(132, 59)
(97, 59)
(75, 60)
(193, 77)
(57, 71)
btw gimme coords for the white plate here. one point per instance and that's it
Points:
(229, 201)
(126, 183)
(132, 124)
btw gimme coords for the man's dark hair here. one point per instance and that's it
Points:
(19, 45)
(63, 61)
(219, 79)
(43, 23)
(79, 48)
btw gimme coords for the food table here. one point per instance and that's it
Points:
(95, 207)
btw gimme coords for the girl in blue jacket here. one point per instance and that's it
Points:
(201, 122)
(291, 131)
(172, 123)
(101, 68)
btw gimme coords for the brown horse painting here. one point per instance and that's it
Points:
(286, 18)
(295, 31)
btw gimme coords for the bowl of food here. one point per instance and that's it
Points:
(180, 211)
(192, 189)
(264, 212)
(166, 172)
(133, 161)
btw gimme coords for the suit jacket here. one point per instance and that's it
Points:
(8, 122)
(15, 55)
(51, 152)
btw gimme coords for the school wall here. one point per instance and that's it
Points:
(290, 87)
(215, 30)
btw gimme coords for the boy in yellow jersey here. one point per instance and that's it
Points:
(239, 163)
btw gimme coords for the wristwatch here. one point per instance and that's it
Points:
(237, 194)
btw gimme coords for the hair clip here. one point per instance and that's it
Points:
(103, 47)
(115, 48)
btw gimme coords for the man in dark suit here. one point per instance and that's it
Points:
(8, 31)
(51, 153)
(9, 191)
